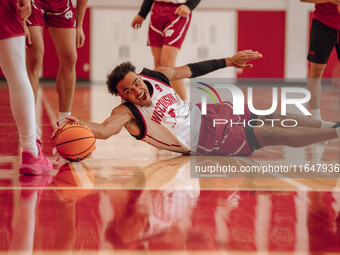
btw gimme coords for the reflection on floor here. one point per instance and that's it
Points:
(133, 198)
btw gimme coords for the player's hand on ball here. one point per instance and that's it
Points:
(62, 124)
(56, 132)
(71, 119)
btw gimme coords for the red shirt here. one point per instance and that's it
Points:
(10, 23)
(328, 14)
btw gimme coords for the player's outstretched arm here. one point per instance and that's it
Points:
(239, 60)
(111, 126)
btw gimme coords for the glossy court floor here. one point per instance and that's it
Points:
(131, 198)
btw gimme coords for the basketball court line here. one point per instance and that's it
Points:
(50, 112)
(294, 184)
(161, 252)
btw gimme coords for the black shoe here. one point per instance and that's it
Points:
(337, 124)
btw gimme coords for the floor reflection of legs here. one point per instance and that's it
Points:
(25, 218)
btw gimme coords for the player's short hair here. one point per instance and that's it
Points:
(118, 74)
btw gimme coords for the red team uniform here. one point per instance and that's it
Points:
(328, 14)
(10, 27)
(223, 139)
(53, 13)
(166, 27)
(170, 123)
(325, 33)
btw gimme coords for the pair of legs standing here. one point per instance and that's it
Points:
(64, 23)
(12, 63)
(314, 86)
(64, 40)
(167, 31)
(166, 56)
(323, 39)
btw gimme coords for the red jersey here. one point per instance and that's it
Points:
(10, 22)
(327, 14)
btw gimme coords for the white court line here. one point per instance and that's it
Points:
(50, 113)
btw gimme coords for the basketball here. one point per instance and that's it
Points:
(76, 176)
(75, 142)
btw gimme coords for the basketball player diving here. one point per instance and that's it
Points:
(152, 112)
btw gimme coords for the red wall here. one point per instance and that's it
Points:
(50, 62)
(263, 31)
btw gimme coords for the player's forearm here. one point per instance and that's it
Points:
(100, 131)
(316, 1)
(80, 12)
(193, 70)
(145, 8)
(192, 4)
(205, 67)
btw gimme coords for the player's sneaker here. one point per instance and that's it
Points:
(337, 124)
(35, 165)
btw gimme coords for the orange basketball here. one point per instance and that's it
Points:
(76, 176)
(75, 142)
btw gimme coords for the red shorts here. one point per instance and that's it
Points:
(10, 22)
(166, 27)
(223, 139)
(52, 13)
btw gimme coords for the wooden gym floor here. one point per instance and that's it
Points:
(131, 198)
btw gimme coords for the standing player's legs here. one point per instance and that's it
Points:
(168, 59)
(321, 43)
(314, 86)
(64, 40)
(166, 33)
(12, 63)
(35, 50)
(156, 53)
(166, 56)
(34, 57)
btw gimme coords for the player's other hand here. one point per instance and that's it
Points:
(240, 59)
(183, 11)
(27, 35)
(24, 9)
(80, 37)
(61, 125)
(137, 22)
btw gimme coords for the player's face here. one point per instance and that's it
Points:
(133, 89)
